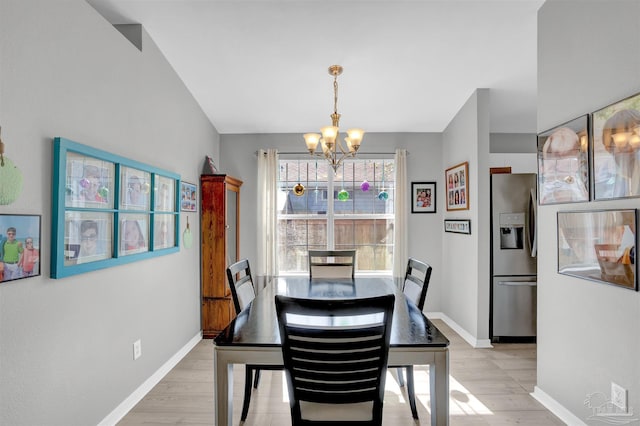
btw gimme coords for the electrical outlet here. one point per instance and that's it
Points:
(137, 349)
(619, 396)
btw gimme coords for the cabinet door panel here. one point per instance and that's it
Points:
(216, 314)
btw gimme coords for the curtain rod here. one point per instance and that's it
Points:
(307, 153)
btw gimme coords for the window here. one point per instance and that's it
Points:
(351, 209)
(108, 210)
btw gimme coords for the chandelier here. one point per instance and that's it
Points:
(333, 149)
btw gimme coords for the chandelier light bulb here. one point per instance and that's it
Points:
(311, 139)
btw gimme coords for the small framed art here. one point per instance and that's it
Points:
(458, 226)
(188, 197)
(19, 246)
(599, 246)
(563, 163)
(423, 197)
(616, 150)
(457, 181)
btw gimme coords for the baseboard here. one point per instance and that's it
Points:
(552, 405)
(121, 410)
(476, 343)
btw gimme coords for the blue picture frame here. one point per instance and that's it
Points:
(109, 210)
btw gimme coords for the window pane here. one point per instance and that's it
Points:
(164, 194)
(373, 240)
(87, 237)
(312, 177)
(134, 186)
(89, 182)
(134, 234)
(367, 189)
(295, 238)
(164, 230)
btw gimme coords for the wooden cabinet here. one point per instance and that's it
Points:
(219, 224)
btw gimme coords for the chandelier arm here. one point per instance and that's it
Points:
(339, 142)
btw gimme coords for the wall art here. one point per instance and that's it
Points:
(563, 163)
(457, 181)
(108, 210)
(616, 150)
(10, 176)
(599, 246)
(423, 197)
(20, 239)
(458, 226)
(188, 197)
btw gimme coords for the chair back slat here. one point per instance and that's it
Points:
(332, 263)
(416, 282)
(335, 351)
(241, 284)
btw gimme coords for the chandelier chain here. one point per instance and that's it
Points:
(335, 94)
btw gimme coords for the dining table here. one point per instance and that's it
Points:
(253, 337)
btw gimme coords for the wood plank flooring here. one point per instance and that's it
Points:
(487, 387)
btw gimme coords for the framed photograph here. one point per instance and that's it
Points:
(87, 237)
(164, 229)
(165, 190)
(458, 226)
(457, 181)
(89, 182)
(134, 234)
(563, 163)
(135, 188)
(423, 197)
(616, 150)
(599, 246)
(19, 246)
(188, 197)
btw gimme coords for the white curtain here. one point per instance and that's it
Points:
(267, 264)
(401, 204)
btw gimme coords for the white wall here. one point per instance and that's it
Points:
(519, 163)
(465, 266)
(588, 333)
(66, 345)
(424, 163)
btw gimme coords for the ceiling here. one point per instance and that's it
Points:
(409, 66)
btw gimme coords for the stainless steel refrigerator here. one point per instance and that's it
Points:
(513, 256)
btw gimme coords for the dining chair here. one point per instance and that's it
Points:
(414, 287)
(243, 292)
(335, 356)
(332, 263)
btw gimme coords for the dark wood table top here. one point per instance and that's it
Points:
(257, 325)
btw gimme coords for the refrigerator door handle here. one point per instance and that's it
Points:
(533, 225)
(518, 283)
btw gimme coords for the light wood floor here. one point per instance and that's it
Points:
(487, 387)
